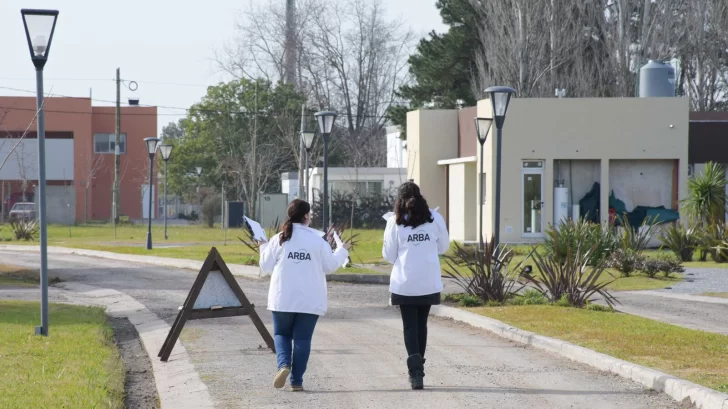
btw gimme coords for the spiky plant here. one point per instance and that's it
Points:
(485, 274)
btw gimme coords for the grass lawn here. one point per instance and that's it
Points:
(77, 366)
(718, 295)
(21, 277)
(700, 357)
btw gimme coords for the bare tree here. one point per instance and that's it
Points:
(92, 165)
(350, 58)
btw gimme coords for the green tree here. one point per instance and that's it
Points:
(243, 134)
(442, 67)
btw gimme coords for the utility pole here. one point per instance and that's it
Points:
(117, 154)
(302, 193)
(290, 43)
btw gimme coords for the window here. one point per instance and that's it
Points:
(105, 143)
(361, 188)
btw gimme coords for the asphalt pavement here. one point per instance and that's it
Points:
(358, 357)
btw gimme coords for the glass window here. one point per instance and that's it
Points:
(106, 143)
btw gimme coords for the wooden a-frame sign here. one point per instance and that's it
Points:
(215, 294)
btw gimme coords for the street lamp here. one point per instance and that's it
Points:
(499, 97)
(307, 137)
(39, 27)
(166, 151)
(326, 123)
(482, 127)
(151, 148)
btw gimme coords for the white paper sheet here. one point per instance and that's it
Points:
(258, 231)
(389, 215)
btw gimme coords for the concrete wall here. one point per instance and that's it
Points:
(431, 136)
(396, 149)
(642, 182)
(462, 217)
(604, 130)
(61, 206)
(22, 162)
(390, 177)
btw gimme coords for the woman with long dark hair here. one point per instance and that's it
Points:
(299, 259)
(413, 240)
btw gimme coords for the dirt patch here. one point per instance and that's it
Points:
(141, 391)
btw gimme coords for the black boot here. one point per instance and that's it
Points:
(416, 371)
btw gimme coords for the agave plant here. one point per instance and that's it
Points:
(715, 241)
(681, 240)
(580, 232)
(484, 274)
(24, 229)
(571, 279)
(706, 202)
(250, 242)
(636, 238)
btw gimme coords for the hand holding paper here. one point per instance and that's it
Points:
(257, 230)
(337, 240)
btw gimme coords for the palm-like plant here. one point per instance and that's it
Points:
(706, 202)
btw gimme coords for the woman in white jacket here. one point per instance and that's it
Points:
(413, 240)
(299, 259)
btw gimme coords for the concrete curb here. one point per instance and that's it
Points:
(679, 389)
(178, 384)
(359, 278)
(236, 269)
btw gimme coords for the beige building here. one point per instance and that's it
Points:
(554, 151)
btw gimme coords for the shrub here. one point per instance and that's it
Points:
(24, 229)
(715, 242)
(210, 208)
(626, 261)
(680, 240)
(359, 211)
(484, 274)
(570, 279)
(651, 267)
(598, 307)
(706, 201)
(581, 233)
(669, 264)
(635, 238)
(470, 301)
(529, 297)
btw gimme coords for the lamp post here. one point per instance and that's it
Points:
(165, 150)
(39, 27)
(500, 98)
(482, 126)
(198, 169)
(151, 148)
(307, 137)
(326, 123)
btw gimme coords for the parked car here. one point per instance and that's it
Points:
(23, 211)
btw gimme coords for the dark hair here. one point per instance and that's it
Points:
(296, 213)
(410, 207)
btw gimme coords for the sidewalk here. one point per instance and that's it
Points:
(236, 269)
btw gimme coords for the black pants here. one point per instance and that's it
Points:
(414, 322)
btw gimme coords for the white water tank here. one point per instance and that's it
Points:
(657, 79)
(561, 205)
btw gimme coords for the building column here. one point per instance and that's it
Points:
(604, 193)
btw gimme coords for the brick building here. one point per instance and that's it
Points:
(80, 146)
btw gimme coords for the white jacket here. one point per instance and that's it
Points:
(415, 255)
(299, 269)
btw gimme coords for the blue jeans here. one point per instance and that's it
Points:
(297, 329)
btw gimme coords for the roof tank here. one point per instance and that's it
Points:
(657, 79)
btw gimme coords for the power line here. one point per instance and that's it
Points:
(176, 84)
(260, 114)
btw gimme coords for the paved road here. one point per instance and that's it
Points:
(682, 305)
(358, 356)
